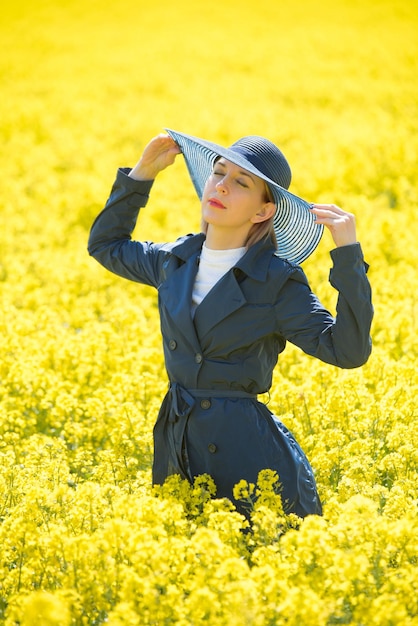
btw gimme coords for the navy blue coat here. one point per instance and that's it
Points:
(210, 420)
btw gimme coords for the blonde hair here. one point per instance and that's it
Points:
(263, 230)
(258, 232)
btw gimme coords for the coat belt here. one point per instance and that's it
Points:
(182, 400)
(170, 452)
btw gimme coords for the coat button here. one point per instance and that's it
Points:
(205, 404)
(212, 448)
(172, 344)
(198, 358)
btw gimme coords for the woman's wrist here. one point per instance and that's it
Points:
(139, 172)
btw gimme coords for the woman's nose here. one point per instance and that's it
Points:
(220, 186)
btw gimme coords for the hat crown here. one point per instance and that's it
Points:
(266, 157)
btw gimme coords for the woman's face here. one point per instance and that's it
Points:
(233, 198)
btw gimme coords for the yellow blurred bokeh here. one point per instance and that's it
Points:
(84, 540)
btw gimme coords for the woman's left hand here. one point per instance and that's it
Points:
(341, 224)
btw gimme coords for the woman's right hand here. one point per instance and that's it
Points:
(158, 154)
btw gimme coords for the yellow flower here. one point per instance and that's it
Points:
(84, 538)
(42, 607)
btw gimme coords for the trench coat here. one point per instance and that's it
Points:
(217, 362)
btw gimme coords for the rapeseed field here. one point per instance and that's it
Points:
(84, 539)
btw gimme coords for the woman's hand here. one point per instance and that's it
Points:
(341, 224)
(158, 154)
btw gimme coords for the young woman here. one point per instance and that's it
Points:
(229, 299)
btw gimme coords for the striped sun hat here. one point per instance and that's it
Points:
(297, 233)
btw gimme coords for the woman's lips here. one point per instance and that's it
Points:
(217, 203)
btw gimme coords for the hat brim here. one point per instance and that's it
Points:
(296, 231)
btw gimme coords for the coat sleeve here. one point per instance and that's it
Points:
(110, 240)
(343, 340)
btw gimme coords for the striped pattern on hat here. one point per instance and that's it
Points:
(296, 231)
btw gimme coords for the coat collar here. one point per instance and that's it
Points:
(255, 262)
(176, 291)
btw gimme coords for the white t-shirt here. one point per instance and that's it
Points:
(213, 265)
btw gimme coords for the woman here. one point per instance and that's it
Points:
(229, 299)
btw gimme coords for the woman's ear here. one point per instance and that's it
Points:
(265, 213)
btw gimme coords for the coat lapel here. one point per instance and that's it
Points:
(227, 296)
(222, 300)
(176, 297)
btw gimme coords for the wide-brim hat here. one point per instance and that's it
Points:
(296, 231)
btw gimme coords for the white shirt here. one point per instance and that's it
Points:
(213, 265)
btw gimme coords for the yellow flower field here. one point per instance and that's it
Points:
(84, 539)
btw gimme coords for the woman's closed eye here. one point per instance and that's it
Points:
(239, 181)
